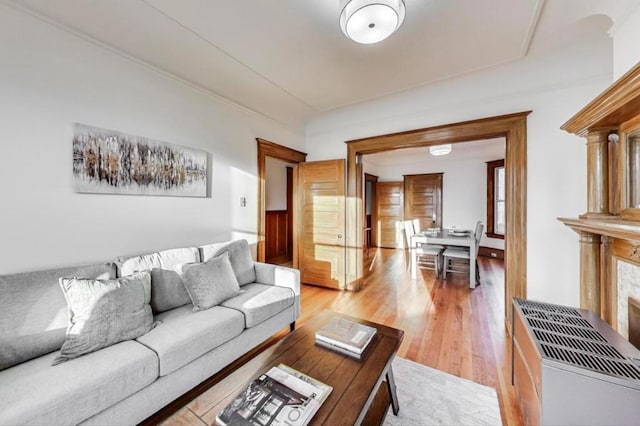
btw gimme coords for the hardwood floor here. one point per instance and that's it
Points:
(447, 325)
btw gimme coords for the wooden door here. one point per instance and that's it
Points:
(423, 199)
(322, 223)
(389, 215)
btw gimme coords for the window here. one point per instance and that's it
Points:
(496, 191)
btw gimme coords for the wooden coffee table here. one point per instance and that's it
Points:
(358, 397)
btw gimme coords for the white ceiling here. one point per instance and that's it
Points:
(485, 150)
(288, 59)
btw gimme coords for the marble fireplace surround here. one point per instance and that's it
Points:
(610, 250)
(628, 285)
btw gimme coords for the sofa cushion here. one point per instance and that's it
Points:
(33, 311)
(210, 283)
(184, 335)
(239, 255)
(167, 289)
(37, 393)
(259, 302)
(105, 312)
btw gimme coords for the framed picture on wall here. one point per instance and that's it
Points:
(110, 162)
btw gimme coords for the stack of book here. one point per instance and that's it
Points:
(346, 337)
(282, 396)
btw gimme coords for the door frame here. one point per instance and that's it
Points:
(513, 127)
(373, 240)
(280, 152)
(290, 207)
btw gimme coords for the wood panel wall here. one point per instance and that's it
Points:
(276, 232)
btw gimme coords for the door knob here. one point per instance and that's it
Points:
(339, 235)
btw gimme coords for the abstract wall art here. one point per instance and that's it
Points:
(110, 162)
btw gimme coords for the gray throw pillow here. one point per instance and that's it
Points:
(167, 290)
(33, 312)
(210, 283)
(239, 255)
(105, 312)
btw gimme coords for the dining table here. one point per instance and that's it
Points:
(447, 237)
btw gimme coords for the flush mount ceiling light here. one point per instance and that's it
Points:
(370, 21)
(438, 150)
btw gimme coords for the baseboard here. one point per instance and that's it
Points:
(277, 260)
(491, 252)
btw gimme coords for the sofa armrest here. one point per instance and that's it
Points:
(281, 276)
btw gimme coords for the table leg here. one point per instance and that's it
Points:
(391, 384)
(413, 263)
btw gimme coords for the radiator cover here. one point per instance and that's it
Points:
(588, 373)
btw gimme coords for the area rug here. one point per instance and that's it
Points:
(431, 397)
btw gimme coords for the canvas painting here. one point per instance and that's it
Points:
(110, 162)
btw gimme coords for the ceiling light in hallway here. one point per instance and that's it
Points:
(438, 150)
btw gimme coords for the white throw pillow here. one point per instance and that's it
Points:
(105, 312)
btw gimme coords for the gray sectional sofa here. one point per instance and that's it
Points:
(127, 382)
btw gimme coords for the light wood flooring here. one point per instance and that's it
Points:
(447, 325)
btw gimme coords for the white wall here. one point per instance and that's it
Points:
(276, 188)
(464, 186)
(555, 87)
(626, 52)
(49, 79)
(370, 168)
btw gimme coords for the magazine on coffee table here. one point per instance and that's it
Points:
(282, 396)
(323, 389)
(348, 335)
(342, 351)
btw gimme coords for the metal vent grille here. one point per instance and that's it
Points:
(570, 330)
(611, 367)
(552, 316)
(547, 307)
(603, 349)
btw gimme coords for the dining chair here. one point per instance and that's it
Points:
(417, 230)
(453, 257)
(427, 256)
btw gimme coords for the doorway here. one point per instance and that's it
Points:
(267, 149)
(279, 212)
(370, 211)
(512, 127)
